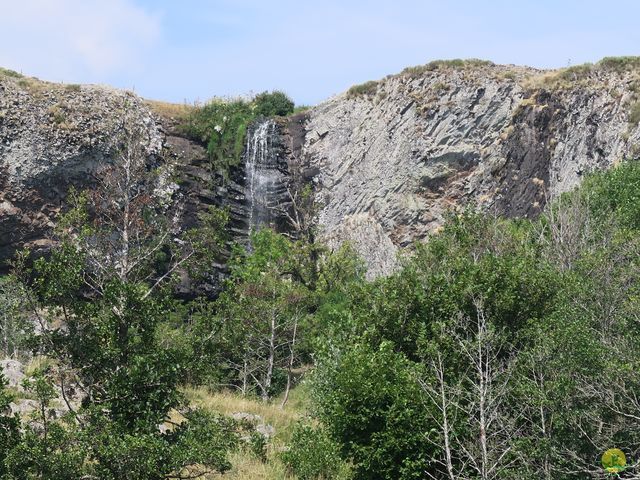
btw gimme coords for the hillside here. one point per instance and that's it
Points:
(394, 156)
(387, 159)
(390, 285)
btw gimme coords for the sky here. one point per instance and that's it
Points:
(193, 50)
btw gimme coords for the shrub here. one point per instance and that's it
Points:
(615, 193)
(10, 73)
(372, 405)
(619, 64)
(272, 104)
(314, 455)
(456, 63)
(222, 126)
(576, 72)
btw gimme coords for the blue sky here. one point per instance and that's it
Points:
(179, 50)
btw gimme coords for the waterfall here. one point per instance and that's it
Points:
(263, 179)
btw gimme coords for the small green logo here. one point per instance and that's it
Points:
(614, 461)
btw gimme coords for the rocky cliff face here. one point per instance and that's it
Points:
(387, 159)
(52, 137)
(394, 156)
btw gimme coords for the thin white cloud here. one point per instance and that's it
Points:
(75, 39)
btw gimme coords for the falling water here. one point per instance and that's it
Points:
(263, 179)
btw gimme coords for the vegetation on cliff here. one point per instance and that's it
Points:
(222, 124)
(500, 348)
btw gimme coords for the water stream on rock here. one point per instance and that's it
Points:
(263, 178)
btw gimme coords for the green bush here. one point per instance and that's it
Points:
(634, 114)
(222, 125)
(620, 64)
(270, 104)
(372, 405)
(615, 194)
(10, 73)
(314, 455)
(576, 72)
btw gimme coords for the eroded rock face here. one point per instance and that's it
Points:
(53, 137)
(392, 162)
(386, 165)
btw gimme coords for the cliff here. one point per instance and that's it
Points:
(387, 159)
(394, 156)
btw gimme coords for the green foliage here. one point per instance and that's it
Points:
(258, 445)
(263, 314)
(222, 125)
(576, 72)
(271, 104)
(313, 455)
(363, 90)
(10, 73)
(58, 455)
(616, 194)
(102, 297)
(9, 426)
(372, 405)
(634, 114)
(15, 327)
(620, 64)
(196, 446)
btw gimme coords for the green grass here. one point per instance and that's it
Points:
(301, 109)
(363, 89)
(10, 73)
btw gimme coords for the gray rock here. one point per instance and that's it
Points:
(13, 371)
(266, 430)
(23, 407)
(251, 418)
(505, 138)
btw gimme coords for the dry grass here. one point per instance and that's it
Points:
(228, 403)
(584, 75)
(247, 466)
(170, 110)
(454, 64)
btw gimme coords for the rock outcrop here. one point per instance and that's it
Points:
(394, 156)
(387, 159)
(53, 137)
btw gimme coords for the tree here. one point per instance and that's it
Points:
(469, 404)
(263, 309)
(371, 404)
(15, 325)
(101, 298)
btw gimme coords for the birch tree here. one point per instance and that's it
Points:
(470, 404)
